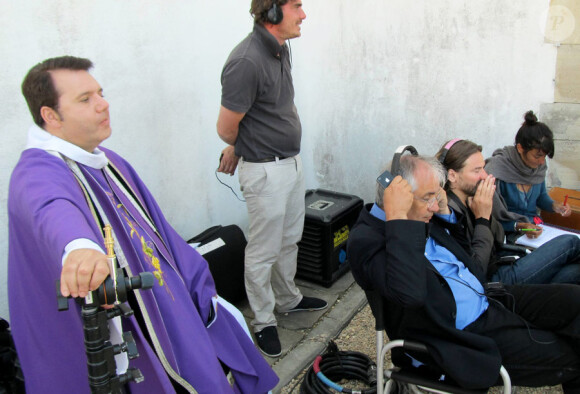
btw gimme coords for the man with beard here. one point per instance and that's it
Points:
(470, 192)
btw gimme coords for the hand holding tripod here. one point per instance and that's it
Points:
(100, 351)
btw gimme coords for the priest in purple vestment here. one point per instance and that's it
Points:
(64, 187)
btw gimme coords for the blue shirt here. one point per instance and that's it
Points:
(467, 291)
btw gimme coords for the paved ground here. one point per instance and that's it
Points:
(359, 335)
(304, 335)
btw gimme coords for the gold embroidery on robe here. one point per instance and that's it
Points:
(148, 249)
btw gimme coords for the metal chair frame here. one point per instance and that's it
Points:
(413, 379)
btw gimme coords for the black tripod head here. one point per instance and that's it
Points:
(107, 293)
(100, 352)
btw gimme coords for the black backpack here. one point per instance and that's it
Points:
(11, 379)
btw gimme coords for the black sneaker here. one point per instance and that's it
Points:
(309, 304)
(268, 341)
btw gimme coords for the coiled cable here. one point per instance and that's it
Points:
(335, 365)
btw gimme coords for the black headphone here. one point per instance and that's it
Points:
(386, 177)
(274, 15)
(396, 165)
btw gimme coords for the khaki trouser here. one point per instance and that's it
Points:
(274, 194)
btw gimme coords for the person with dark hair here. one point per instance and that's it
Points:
(520, 173)
(260, 123)
(435, 293)
(470, 191)
(38, 87)
(64, 189)
(259, 9)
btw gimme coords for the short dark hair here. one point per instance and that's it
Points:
(535, 135)
(38, 88)
(259, 9)
(457, 155)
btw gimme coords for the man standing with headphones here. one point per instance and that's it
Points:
(259, 121)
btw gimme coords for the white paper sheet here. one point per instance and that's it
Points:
(548, 233)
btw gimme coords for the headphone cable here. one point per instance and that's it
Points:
(513, 309)
(228, 186)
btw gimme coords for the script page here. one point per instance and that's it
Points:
(548, 233)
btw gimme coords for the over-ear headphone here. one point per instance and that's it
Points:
(446, 149)
(386, 177)
(275, 14)
(396, 165)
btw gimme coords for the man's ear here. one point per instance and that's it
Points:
(520, 148)
(451, 176)
(50, 116)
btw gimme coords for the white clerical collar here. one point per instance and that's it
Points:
(41, 139)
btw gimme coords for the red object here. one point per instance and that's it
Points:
(565, 199)
(538, 221)
(316, 365)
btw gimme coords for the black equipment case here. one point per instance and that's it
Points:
(224, 248)
(11, 378)
(322, 250)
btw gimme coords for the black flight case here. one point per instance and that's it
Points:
(322, 250)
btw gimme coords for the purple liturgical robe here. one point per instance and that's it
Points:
(47, 210)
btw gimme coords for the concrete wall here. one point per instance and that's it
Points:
(369, 75)
(563, 116)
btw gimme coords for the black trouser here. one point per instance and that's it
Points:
(540, 342)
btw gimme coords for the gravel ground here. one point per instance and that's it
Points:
(359, 335)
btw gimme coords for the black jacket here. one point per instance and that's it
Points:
(390, 257)
(481, 238)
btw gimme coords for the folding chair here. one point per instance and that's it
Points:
(412, 377)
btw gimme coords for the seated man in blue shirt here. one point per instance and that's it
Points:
(434, 292)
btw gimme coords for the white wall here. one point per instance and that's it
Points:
(369, 75)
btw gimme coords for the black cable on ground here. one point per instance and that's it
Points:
(335, 365)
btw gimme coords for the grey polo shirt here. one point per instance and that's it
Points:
(256, 80)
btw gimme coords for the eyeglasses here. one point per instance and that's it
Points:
(430, 201)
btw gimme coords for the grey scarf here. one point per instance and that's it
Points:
(507, 165)
(500, 212)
